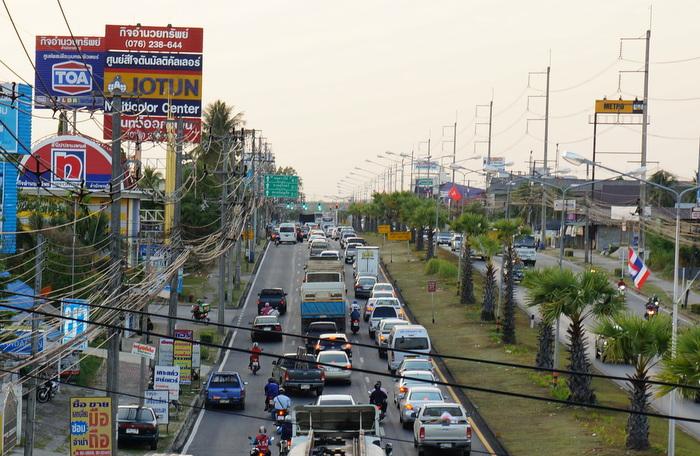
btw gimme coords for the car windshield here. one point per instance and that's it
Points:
(411, 343)
(438, 411)
(333, 358)
(229, 380)
(425, 396)
(135, 414)
(352, 248)
(384, 312)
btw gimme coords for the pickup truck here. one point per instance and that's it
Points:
(275, 296)
(444, 426)
(293, 374)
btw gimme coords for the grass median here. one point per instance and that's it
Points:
(525, 427)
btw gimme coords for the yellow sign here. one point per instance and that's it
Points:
(619, 107)
(399, 236)
(159, 86)
(383, 229)
(91, 426)
(247, 235)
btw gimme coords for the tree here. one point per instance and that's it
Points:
(545, 330)
(576, 296)
(643, 341)
(489, 247)
(506, 230)
(658, 196)
(684, 368)
(219, 121)
(471, 226)
(424, 215)
(151, 179)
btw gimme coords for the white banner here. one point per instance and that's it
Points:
(168, 378)
(158, 400)
(165, 352)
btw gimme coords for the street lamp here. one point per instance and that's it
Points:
(387, 178)
(396, 172)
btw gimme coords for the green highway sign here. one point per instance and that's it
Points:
(424, 182)
(281, 186)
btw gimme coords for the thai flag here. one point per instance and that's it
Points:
(637, 269)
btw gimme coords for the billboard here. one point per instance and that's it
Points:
(151, 128)
(154, 39)
(69, 72)
(167, 378)
(182, 354)
(67, 161)
(91, 426)
(619, 107)
(22, 344)
(72, 329)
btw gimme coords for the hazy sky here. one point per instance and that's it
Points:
(334, 83)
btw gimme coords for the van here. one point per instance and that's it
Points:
(407, 337)
(288, 233)
(318, 246)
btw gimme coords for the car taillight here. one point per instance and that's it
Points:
(469, 432)
(283, 301)
(403, 389)
(421, 433)
(348, 366)
(278, 327)
(347, 346)
(286, 376)
(259, 301)
(317, 347)
(408, 406)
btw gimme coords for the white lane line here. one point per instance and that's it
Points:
(195, 428)
(367, 379)
(362, 360)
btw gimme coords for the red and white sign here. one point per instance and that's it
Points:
(454, 194)
(152, 128)
(147, 351)
(153, 39)
(432, 286)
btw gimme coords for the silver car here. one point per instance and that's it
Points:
(381, 337)
(411, 379)
(340, 366)
(414, 399)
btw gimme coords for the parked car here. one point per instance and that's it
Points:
(276, 297)
(225, 388)
(412, 378)
(443, 427)
(299, 374)
(266, 327)
(414, 398)
(137, 424)
(363, 286)
(340, 365)
(443, 238)
(314, 331)
(335, 399)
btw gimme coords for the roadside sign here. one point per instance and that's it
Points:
(196, 356)
(147, 351)
(454, 194)
(182, 354)
(158, 400)
(281, 186)
(167, 378)
(695, 213)
(91, 426)
(570, 205)
(619, 107)
(383, 229)
(165, 352)
(432, 286)
(247, 235)
(399, 236)
(424, 182)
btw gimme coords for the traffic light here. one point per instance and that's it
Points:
(336, 205)
(304, 206)
(320, 208)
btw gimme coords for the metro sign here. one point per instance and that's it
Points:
(67, 165)
(71, 77)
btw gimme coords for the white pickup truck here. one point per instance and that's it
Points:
(443, 426)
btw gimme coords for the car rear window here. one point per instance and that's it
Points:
(335, 402)
(366, 281)
(230, 381)
(335, 343)
(438, 411)
(420, 379)
(323, 328)
(135, 414)
(271, 292)
(384, 312)
(266, 321)
(411, 343)
(286, 229)
(418, 365)
(426, 396)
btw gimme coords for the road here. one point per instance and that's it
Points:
(224, 432)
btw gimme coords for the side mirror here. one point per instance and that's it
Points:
(274, 363)
(414, 415)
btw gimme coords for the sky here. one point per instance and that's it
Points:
(332, 84)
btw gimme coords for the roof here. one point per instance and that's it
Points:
(17, 300)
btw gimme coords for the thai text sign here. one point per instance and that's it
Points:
(146, 351)
(383, 229)
(158, 401)
(399, 236)
(154, 39)
(182, 354)
(432, 286)
(167, 378)
(165, 352)
(281, 186)
(619, 107)
(91, 426)
(78, 313)
(152, 128)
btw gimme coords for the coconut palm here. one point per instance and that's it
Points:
(489, 247)
(545, 330)
(219, 121)
(658, 196)
(643, 341)
(506, 231)
(470, 225)
(684, 367)
(151, 179)
(560, 292)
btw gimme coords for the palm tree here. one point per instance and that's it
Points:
(660, 197)
(470, 225)
(633, 337)
(684, 368)
(506, 230)
(219, 121)
(577, 296)
(489, 247)
(545, 330)
(151, 179)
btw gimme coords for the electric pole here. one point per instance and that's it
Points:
(543, 222)
(223, 257)
(254, 193)
(33, 384)
(642, 186)
(174, 230)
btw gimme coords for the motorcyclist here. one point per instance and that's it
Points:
(621, 284)
(285, 428)
(254, 354)
(272, 390)
(262, 441)
(266, 310)
(281, 402)
(355, 315)
(379, 397)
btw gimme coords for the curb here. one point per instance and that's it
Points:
(474, 414)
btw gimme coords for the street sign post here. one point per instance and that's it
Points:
(399, 236)
(383, 229)
(570, 205)
(281, 186)
(432, 288)
(695, 213)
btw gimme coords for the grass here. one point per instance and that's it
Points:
(89, 368)
(525, 427)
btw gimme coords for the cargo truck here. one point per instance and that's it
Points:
(323, 293)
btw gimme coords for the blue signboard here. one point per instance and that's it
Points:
(72, 329)
(69, 72)
(22, 345)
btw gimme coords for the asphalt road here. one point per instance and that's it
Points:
(225, 432)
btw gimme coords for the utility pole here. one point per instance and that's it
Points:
(30, 422)
(115, 225)
(488, 157)
(174, 231)
(224, 256)
(642, 187)
(254, 194)
(240, 141)
(543, 222)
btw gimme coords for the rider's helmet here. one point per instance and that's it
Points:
(281, 390)
(267, 304)
(378, 385)
(270, 380)
(255, 344)
(262, 430)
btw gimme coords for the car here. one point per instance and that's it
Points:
(379, 313)
(276, 297)
(335, 399)
(287, 233)
(443, 238)
(350, 252)
(316, 237)
(344, 236)
(387, 301)
(334, 341)
(340, 365)
(330, 254)
(266, 327)
(137, 424)
(412, 378)
(442, 426)
(411, 363)
(317, 232)
(368, 308)
(316, 246)
(456, 242)
(413, 399)
(304, 231)
(329, 230)
(356, 240)
(315, 329)
(381, 337)
(299, 372)
(225, 388)
(383, 287)
(363, 286)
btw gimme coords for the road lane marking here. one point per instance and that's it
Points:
(367, 379)
(195, 428)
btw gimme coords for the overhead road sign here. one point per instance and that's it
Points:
(281, 186)
(424, 182)
(619, 107)
(399, 236)
(570, 205)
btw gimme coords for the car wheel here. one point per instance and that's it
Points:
(242, 405)
(154, 444)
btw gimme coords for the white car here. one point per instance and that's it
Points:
(330, 254)
(383, 287)
(415, 364)
(379, 313)
(381, 337)
(414, 398)
(335, 399)
(456, 242)
(340, 365)
(411, 379)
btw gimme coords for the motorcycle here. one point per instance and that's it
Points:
(200, 312)
(260, 448)
(47, 391)
(255, 366)
(355, 326)
(650, 312)
(284, 430)
(381, 408)
(281, 415)
(269, 403)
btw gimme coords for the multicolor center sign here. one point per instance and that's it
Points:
(91, 426)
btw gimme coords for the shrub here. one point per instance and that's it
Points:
(695, 308)
(447, 270)
(568, 253)
(433, 266)
(206, 337)
(617, 272)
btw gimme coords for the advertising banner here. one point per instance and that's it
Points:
(72, 329)
(182, 354)
(154, 39)
(159, 107)
(158, 400)
(69, 73)
(22, 344)
(151, 128)
(158, 84)
(65, 162)
(91, 426)
(147, 351)
(383, 229)
(167, 378)
(165, 352)
(399, 236)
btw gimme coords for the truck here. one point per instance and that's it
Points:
(350, 430)
(443, 426)
(526, 249)
(299, 372)
(306, 218)
(323, 293)
(367, 261)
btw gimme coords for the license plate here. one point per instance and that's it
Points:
(267, 329)
(305, 387)
(445, 445)
(332, 369)
(224, 401)
(132, 431)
